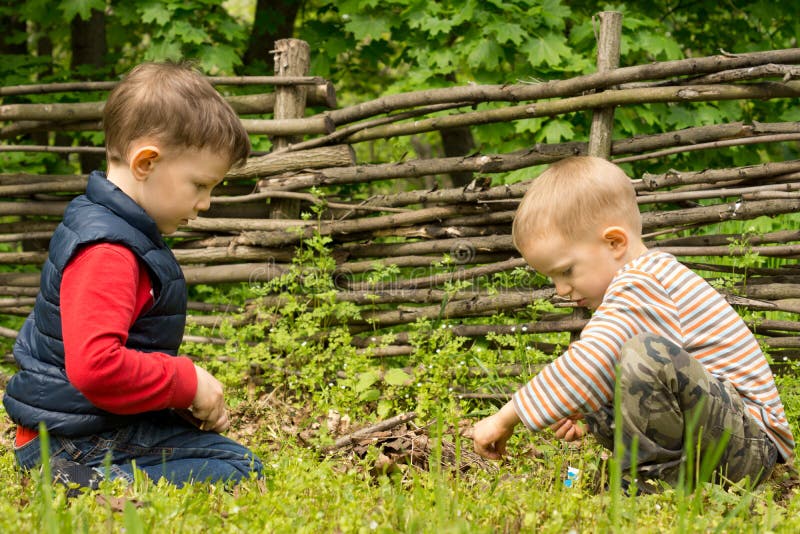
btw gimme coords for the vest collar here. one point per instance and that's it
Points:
(101, 191)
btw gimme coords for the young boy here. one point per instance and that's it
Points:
(683, 351)
(97, 356)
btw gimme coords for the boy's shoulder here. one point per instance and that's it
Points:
(653, 262)
(656, 271)
(653, 257)
(661, 269)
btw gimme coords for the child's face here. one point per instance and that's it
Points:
(581, 270)
(179, 186)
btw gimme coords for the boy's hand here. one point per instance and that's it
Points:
(568, 429)
(209, 402)
(489, 435)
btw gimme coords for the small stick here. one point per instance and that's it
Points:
(351, 438)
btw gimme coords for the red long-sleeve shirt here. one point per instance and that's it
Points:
(103, 290)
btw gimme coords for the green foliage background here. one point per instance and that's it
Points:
(371, 48)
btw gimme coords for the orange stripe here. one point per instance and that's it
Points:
(715, 332)
(523, 400)
(688, 310)
(682, 292)
(598, 355)
(730, 360)
(650, 326)
(577, 388)
(657, 300)
(554, 391)
(592, 376)
(718, 305)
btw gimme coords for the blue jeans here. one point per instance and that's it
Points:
(166, 447)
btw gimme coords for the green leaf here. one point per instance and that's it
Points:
(81, 8)
(647, 115)
(396, 377)
(505, 32)
(529, 125)
(367, 26)
(555, 130)
(187, 32)
(219, 59)
(430, 22)
(555, 14)
(625, 121)
(440, 60)
(156, 12)
(582, 33)
(370, 395)
(385, 407)
(365, 380)
(679, 116)
(549, 49)
(658, 45)
(486, 54)
(791, 114)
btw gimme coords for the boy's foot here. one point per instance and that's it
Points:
(71, 473)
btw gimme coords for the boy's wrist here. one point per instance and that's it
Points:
(507, 415)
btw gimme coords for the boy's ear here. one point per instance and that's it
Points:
(617, 238)
(142, 161)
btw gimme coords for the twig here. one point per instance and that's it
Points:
(56, 149)
(351, 438)
(716, 144)
(44, 88)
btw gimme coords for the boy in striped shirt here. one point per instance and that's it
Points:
(682, 351)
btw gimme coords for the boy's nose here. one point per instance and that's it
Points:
(562, 289)
(204, 203)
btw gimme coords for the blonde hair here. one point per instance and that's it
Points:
(174, 104)
(574, 197)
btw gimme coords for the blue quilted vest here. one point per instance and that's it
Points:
(40, 391)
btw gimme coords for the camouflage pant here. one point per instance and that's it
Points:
(662, 387)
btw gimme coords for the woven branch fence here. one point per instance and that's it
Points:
(449, 243)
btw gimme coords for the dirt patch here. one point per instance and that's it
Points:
(397, 443)
(785, 480)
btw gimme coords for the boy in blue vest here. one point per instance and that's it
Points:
(97, 357)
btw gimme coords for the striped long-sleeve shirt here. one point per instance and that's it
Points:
(656, 294)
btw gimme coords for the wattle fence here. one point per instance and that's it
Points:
(437, 252)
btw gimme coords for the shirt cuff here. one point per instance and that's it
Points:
(521, 413)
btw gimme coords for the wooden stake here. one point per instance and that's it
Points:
(292, 58)
(607, 59)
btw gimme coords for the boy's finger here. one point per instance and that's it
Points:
(562, 428)
(558, 424)
(485, 450)
(488, 452)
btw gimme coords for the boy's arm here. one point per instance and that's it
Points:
(103, 290)
(582, 379)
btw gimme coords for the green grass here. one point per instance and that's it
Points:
(304, 491)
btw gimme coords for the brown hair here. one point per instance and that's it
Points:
(174, 104)
(574, 197)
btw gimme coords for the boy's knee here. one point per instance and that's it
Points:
(645, 355)
(250, 464)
